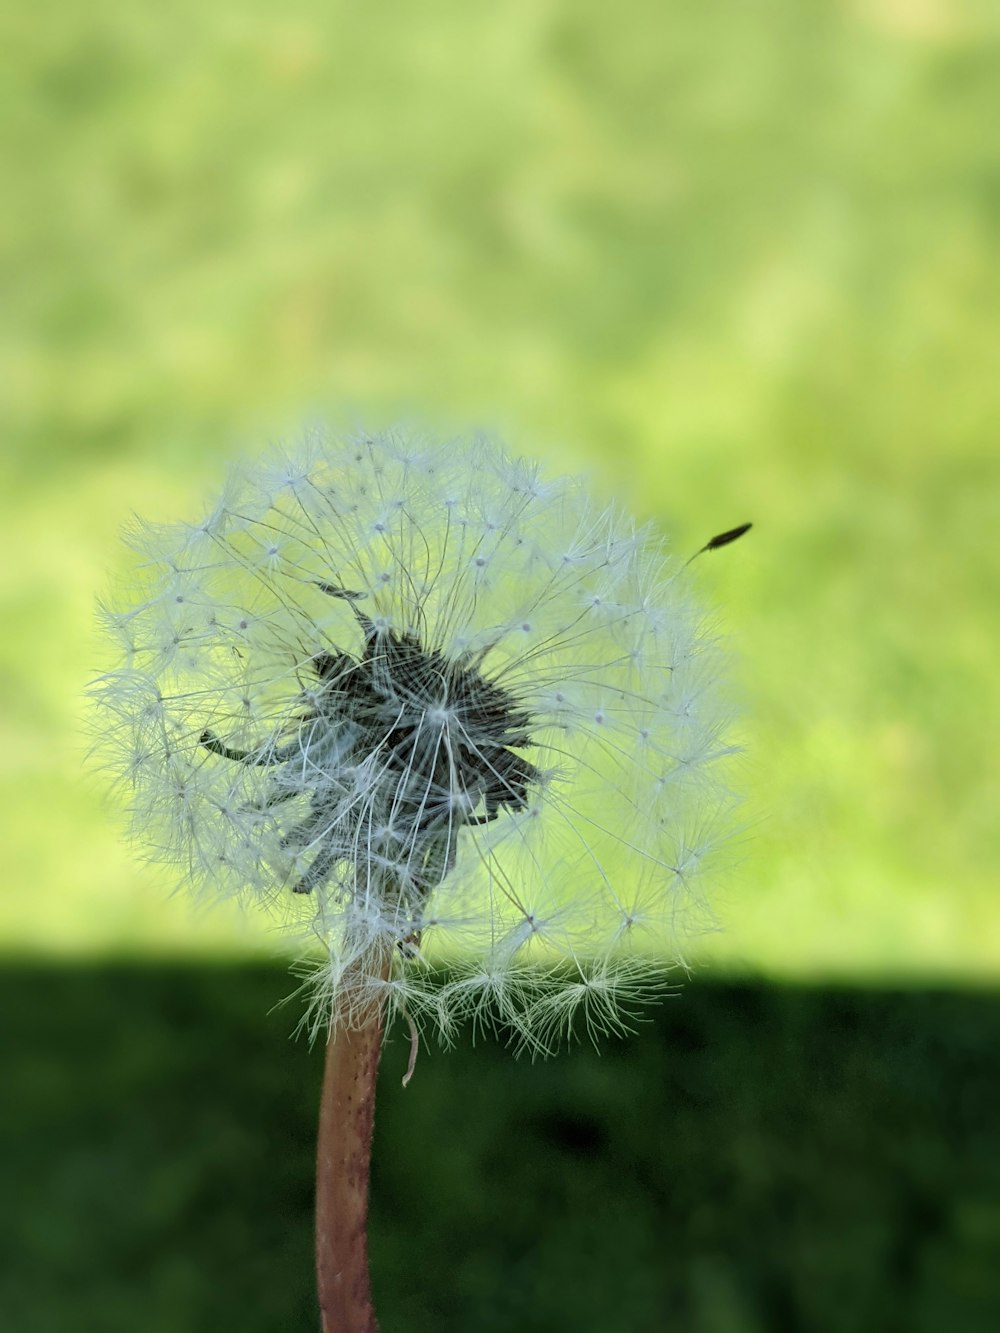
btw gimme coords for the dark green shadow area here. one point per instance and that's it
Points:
(755, 1158)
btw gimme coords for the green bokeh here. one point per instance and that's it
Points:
(758, 1159)
(735, 260)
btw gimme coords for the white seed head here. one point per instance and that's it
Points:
(439, 710)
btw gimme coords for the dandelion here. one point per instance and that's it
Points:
(458, 725)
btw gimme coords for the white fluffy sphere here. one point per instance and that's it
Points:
(438, 708)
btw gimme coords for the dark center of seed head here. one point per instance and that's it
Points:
(443, 739)
(433, 716)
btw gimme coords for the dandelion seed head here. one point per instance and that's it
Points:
(434, 708)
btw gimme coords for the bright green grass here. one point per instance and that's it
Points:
(737, 260)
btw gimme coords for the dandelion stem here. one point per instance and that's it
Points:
(343, 1159)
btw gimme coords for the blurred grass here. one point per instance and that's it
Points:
(737, 260)
(758, 1158)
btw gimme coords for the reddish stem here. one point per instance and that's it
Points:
(343, 1156)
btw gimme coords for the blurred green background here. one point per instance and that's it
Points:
(735, 260)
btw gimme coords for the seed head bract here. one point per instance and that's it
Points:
(456, 723)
